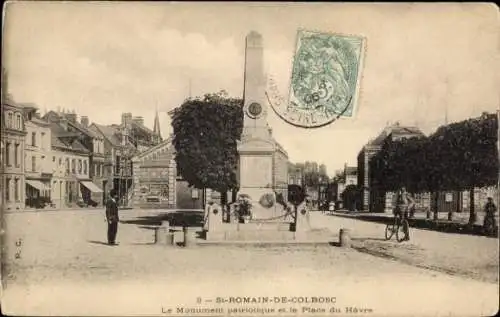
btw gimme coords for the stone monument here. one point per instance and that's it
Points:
(257, 146)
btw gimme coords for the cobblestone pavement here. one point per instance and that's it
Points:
(64, 268)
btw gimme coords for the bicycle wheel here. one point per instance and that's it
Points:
(403, 231)
(389, 231)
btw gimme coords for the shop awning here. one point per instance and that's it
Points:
(36, 184)
(91, 186)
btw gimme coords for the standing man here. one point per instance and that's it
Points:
(112, 217)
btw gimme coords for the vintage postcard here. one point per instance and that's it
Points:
(249, 159)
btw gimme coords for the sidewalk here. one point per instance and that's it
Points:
(458, 224)
(465, 255)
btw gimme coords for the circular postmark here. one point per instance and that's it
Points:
(323, 83)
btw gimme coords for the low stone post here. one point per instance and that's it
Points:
(188, 237)
(162, 234)
(345, 238)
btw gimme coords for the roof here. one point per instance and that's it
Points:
(75, 124)
(82, 128)
(280, 147)
(64, 139)
(39, 121)
(351, 170)
(165, 143)
(110, 133)
(75, 145)
(142, 127)
(395, 129)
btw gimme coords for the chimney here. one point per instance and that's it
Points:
(139, 120)
(84, 121)
(63, 121)
(126, 118)
(124, 135)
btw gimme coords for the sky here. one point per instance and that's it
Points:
(423, 63)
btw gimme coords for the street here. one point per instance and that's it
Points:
(63, 267)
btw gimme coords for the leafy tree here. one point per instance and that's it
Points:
(351, 196)
(468, 155)
(459, 156)
(206, 131)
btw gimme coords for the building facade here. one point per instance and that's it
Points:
(81, 147)
(121, 143)
(155, 177)
(374, 199)
(38, 161)
(70, 163)
(13, 134)
(295, 175)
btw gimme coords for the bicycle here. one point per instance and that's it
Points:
(394, 228)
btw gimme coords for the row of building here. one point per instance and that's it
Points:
(59, 161)
(373, 199)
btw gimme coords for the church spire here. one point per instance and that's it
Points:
(156, 126)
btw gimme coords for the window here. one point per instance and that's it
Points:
(117, 167)
(33, 163)
(67, 166)
(16, 155)
(79, 166)
(10, 122)
(73, 166)
(33, 138)
(101, 170)
(84, 167)
(7, 154)
(16, 189)
(7, 189)
(53, 158)
(60, 161)
(18, 122)
(42, 140)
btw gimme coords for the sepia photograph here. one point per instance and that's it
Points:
(249, 159)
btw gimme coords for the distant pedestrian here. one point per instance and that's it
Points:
(489, 224)
(112, 217)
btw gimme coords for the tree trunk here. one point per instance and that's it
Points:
(472, 211)
(435, 198)
(223, 198)
(450, 212)
(234, 195)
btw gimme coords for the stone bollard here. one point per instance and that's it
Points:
(188, 237)
(162, 233)
(345, 238)
(170, 239)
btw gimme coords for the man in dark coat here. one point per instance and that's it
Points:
(112, 217)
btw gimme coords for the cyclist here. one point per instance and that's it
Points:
(403, 203)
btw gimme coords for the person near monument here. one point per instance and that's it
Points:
(112, 217)
(489, 223)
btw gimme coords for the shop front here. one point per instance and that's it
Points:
(37, 193)
(92, 194)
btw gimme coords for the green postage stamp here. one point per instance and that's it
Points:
(325, 79)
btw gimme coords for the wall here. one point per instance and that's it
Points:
(13, 135)
(65, 189)
(280, 173)
(154, 169)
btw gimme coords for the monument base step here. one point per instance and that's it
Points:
(271, 236)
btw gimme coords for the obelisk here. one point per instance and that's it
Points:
(257, 146)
